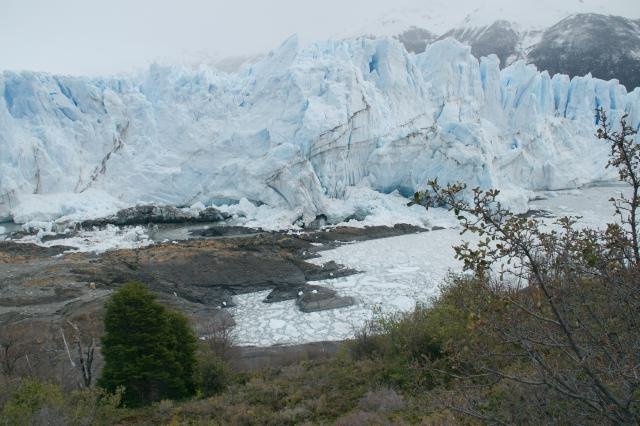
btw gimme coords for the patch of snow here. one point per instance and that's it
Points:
(65, 207)
(375, 208)
(437, 18)
(96, 240)
(360, 207)
(269, 218)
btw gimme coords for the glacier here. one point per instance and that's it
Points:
(298, 130)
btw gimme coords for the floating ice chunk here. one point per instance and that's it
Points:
(275, 324)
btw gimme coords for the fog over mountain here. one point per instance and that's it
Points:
(606, 46)
(573, 38)
(87, 37)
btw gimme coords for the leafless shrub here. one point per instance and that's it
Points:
(214, 354)
(364, 418)
(382, 400)
(85, 354)
(293, 415)
(366, 338)
(219, 338)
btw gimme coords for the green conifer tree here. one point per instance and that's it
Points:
(184, 350)
(148, 350)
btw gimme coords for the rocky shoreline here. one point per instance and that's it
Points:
(43, 288)
(201, 270)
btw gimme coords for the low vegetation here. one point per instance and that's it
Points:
(542, 327)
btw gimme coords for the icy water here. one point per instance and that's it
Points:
(164, 233)
(9, 227)
(397, 273)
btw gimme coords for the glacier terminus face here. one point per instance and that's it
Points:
(301, 127)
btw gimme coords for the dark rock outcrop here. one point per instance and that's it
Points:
(146, 214)
(345, 234)
(223, 231)
(416, 39)
(498, 38)
(310, 298)
(282, 293)
(322, 299)
(11, 251)
(327, 271)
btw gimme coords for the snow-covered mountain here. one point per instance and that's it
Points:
(500, 38)
(302, 126)
(440, 16)
(603, 45)
(573, 37)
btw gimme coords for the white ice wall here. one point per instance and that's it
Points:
(303, 125)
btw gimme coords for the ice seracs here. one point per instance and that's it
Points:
(298, 130)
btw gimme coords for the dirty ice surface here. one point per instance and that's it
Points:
(396, 273)
(96, 240)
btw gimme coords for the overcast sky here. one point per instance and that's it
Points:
(110, 36)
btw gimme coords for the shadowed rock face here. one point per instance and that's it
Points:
(499, 38)
(606, 46)
(416, 39)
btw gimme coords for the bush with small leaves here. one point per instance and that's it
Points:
(29, 399)
(563, 321)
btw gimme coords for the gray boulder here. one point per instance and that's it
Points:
(310, 298)
(322, 299)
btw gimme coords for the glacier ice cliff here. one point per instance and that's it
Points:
(302, 126)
